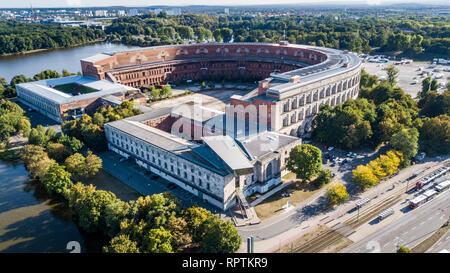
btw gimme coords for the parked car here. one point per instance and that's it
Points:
(349, 154)
(154, 177)
(330, 148)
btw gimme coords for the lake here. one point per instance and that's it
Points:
(57, 59)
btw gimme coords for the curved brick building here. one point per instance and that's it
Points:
(161, 64)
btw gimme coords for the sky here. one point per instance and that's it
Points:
(93, 3)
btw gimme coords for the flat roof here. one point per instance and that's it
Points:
(44, 88)
(265, 143)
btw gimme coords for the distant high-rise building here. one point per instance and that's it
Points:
(101, 13)
(226, 11)
(121, 13)
(174, 12)
(133, 12)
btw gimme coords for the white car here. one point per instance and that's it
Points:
(330, 148)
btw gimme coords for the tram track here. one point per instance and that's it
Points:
(341, 231)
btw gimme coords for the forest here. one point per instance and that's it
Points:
(412, 35)
(18, 37)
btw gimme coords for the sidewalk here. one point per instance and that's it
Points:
(274, 243)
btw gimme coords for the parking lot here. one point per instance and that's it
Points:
(410, 78)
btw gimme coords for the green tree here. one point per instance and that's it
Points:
(392, 74)
(221, 237)
(89, 205)
(157, 240)
(121, 244)
(36, 160)
(57, 151)
(406, 141)
(83, 167)
(305, 161)
(434, 137)
(57, 179)
(323, 178)
(196, 218)
(115, 213)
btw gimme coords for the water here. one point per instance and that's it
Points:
(31, 221)
(57, 59)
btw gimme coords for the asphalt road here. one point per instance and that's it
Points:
(442, 244)
(409, 230)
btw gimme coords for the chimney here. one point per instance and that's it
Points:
(263, 85)
(295, 79)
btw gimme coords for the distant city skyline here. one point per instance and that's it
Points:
(145, 3)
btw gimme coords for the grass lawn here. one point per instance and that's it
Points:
(430, 241)
(273, 205)
(74, 88)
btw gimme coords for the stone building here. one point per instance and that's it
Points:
(69, 97)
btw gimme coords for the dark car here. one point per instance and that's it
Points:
(171, 185)
(154, 177)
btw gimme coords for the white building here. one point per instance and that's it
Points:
(218, 170)
(101, 13)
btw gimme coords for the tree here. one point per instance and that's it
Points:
(403, 249)
(57, 151)
(115, 213)
(93, 164)
(434, 137)
(364, 176)
(89, 205)
(121, 244)
(337, 194)
(305, 161)
(36, 160)
(428, 84)
(83, 167)
(221, 237)
(72, 144)
(323, 178)
(196, 218)
(226, 34)
(57, 179)
(41, 136)
(166, 91)
(406, 141)
(157, 240)
(217, 35)
(177, 226)
(392, 74)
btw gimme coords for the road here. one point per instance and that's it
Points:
(409, 230)
(441, 245)
(308, 209)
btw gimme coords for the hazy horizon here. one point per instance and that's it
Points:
(230, 3)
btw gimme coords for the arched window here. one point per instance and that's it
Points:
(269, 170)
